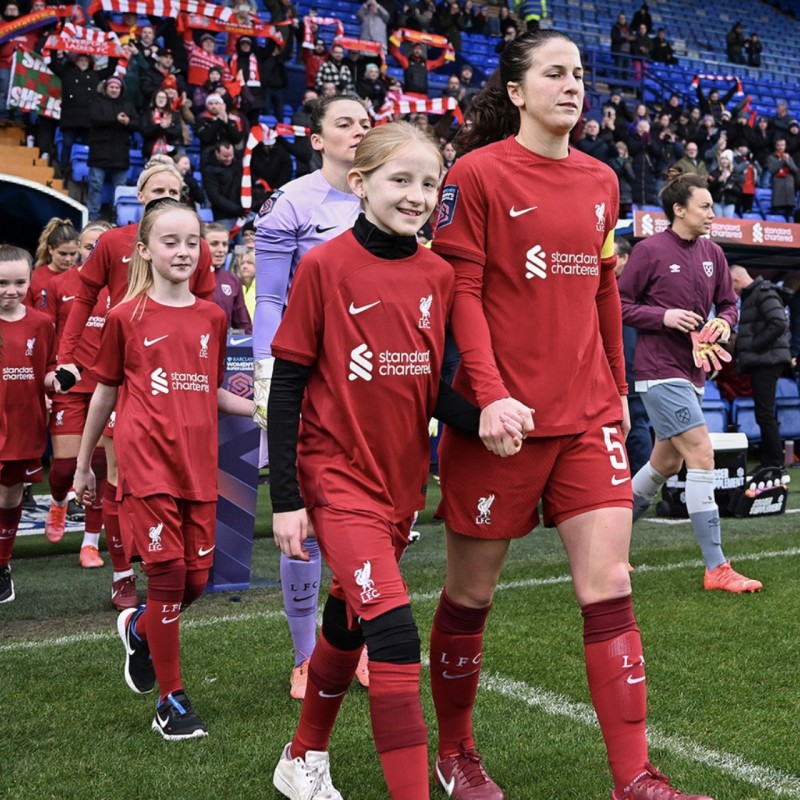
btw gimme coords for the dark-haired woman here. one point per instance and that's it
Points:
(536, 297)
(161, 128)
(668, 288)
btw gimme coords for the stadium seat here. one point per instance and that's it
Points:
(206, 214)
(744, 419)
(128, 212)
(79, 159)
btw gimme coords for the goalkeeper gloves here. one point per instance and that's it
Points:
(262, 379)
(715, 329)
(708, 354)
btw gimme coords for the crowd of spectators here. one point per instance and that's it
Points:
(177, 85)
(715, 135)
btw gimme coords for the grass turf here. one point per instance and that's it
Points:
(722, 676)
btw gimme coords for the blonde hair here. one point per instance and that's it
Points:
(97, 225)
(55, 233)
(383, 143)
(155, 166)
(140, 271)
(247, 256)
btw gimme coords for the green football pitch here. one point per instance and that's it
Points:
(723, 676)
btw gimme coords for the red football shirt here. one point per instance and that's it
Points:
(27, 354)
(64, 289)
(107, 265)
(38, 294)
(169, 362)
(536, 313)
(373, 332)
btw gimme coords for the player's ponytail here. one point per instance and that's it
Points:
(492, 116)
(55, 233)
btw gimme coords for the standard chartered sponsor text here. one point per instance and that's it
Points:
(189, 382)
(417, 362)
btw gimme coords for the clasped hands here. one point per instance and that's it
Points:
(504, 425)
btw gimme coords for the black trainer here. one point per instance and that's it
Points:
(75, 511)
(139, 673)
(175, 720)
(28, 500)
(6, 585)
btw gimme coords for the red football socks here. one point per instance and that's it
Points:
(456, 650)
(62, 471)
(401, 737)
(9, 523)
(615, 669)
(330, 672)
(111, 524)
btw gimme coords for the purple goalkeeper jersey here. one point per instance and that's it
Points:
(663, 272)
(300, 215)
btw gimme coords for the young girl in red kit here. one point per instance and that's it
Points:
(359, 353)
(27, 358)
(165, 349)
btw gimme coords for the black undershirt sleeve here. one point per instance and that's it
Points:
(283, 421)
(452, 409)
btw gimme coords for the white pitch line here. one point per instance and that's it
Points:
(781, 783)
(687, 521)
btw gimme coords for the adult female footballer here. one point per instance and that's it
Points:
(298, 216)
(527, 224)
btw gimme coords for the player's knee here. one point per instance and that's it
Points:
(166, 575)
(335, 627)
(393, 637)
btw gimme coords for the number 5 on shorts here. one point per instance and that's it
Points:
(616, 450)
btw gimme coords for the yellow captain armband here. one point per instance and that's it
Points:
(608, 246)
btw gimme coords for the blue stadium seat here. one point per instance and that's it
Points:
(744, 419)
(79, 158)
(206, 214)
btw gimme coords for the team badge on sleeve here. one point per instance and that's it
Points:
(447, 206)
(269, 203)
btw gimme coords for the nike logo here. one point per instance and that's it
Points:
(331, 696)
(66, 298)
(514, 213)
(615, 481)
(203, 552)
(300, 599)
(320, 229)
(633, 680)
(234, 341)
(450, 677)
(126, 259)
(167, 620)
(33, 471)
(10, 536)
(355, 310)
(162, 722)
(148, 342)
(448, 786)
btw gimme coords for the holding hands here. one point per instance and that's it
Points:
(504, 425)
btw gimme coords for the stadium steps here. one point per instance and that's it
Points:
(25, 162)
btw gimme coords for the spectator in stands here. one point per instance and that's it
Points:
(622, 113)
(477, 18)
(715, 150)
(713, 104)
(247, 67)
(112, 119)
(784, 180)
(161, 128)
(334, 70)
(622, 164)
(313, 59)
(449, 154)
(449, 21)
(599, 145)
(508, 36)
(737, 130)
(735, 43)
(419, 16)
(306, 158)
(608, 123)
(683, 128)
(642, 44)
(670, 149)
(465, 75)
(374, 18)
(674, 107)
(642, 17)
(793, 139)
(759, 141)
(661, 50)
(707, 139)
(750, 172)
(779, 123)
(762, 351)
(357, 63)
(416, 66)
(691, 161)
(222, 181)
(270, 168)
(725, 185)
(192, 192)
(372, 86)
(244, 268)
(531, 12)
(153, 76)
(505, 21)
(213, 85)
(753, 46)
(645, 156)
(621, 37)
(216, 125)
(79, 82)
(274, 77)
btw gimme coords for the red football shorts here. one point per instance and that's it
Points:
(16, 472)
(363, 552)
(488, 497)
(68, 415)
(164, 528)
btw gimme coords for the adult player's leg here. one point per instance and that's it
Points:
(456, 649)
